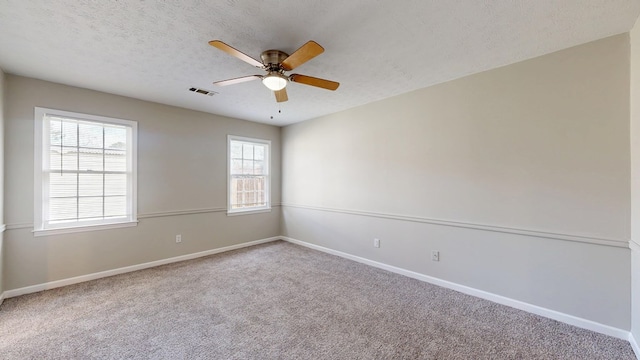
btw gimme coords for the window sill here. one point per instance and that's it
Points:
(247, 212)
(84, 228)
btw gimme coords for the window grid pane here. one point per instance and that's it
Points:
(115, 206)
(90, 207)
(248, 174)
(90, 159)
(63, 208)
(63, 185)
(88, 170)
(90, 185)
(248, 192)
(115, 160)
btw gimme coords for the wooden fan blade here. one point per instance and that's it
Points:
(305, 53)
(281, 95)
(317, 82)
(237, 80)
(234, 52)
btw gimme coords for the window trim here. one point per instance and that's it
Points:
(256, 209)
(38, 209)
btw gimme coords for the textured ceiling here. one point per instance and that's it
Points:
(157, 50)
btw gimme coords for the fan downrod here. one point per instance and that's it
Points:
(273, 58)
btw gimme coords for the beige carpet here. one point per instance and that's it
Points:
(280, 301)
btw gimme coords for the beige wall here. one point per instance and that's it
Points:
(635, 182)
(181, 167)
(2, 110)
(493, 170)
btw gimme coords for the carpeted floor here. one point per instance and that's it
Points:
(280, 301)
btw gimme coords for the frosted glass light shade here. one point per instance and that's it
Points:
(274, 81)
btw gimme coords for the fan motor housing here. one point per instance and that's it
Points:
(273, 57)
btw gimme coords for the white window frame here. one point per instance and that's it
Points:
(255, 209)
(41, 173)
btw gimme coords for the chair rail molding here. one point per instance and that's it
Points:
(621, 243)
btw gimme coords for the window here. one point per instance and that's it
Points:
(248, 175)
(85, 172)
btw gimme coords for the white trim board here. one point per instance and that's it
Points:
(19, 226)
(621, 243)
(552, 314)
(634, 345)
(181, 212)
(187, 212)
(534, 309)
(82, 278)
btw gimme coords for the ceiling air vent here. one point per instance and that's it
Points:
(203, 91)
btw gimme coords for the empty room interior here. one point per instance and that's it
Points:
(339, 180)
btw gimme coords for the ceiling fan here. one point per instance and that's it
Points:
(276, 63)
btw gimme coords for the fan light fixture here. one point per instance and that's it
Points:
(276, 63)
(274, 81)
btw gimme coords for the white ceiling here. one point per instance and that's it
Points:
(155, 50)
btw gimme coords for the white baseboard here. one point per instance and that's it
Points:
(78, 279)
(634, 345)
(534, 309)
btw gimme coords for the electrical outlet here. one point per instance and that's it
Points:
(435, 255)
(376, 243)
(178, 238)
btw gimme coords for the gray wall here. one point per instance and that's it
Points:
(519, 176)
(181, 168)
(635, 182)
(635, 289)
(2, 110)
